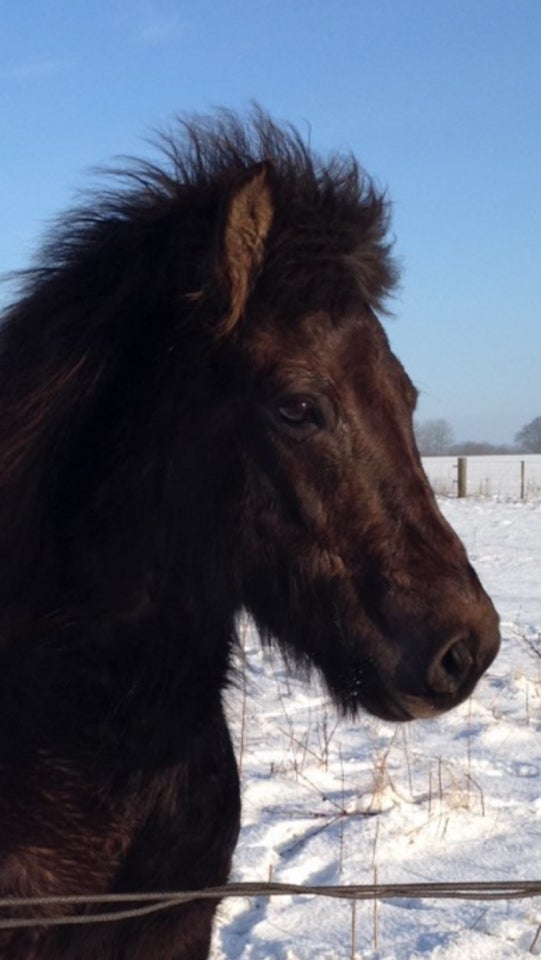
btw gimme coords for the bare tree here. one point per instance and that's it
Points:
(480, 448)
(528, 437)
(434, 437)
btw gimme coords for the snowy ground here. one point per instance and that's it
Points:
(458, 798)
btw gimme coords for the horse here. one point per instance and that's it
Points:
(200, 414)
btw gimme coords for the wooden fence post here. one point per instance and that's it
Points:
(462, 477)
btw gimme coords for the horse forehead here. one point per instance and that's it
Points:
(320, 340)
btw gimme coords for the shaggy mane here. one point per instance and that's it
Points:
(325, 206)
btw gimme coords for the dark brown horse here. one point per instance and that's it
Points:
(199, 413)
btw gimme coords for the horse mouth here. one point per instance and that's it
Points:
(398, 707)
(395, 706)
(402, 708)
(391, 708)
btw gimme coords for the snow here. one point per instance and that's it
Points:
(342, 802)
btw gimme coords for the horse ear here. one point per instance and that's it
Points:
(248, 216)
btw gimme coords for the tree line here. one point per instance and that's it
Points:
(436, 438)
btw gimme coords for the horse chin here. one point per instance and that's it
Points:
(397, 707)
(383, 700)
(376, 698)
(388, 707)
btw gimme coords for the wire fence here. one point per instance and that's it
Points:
(127, 906)
(516, 476)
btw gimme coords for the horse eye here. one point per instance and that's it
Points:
(300, 411)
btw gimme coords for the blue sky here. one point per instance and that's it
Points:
(440, 100)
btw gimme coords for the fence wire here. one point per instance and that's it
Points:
(127, 906)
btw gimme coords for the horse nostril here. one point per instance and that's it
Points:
(451, 667)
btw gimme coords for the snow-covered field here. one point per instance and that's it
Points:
(458, 798)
